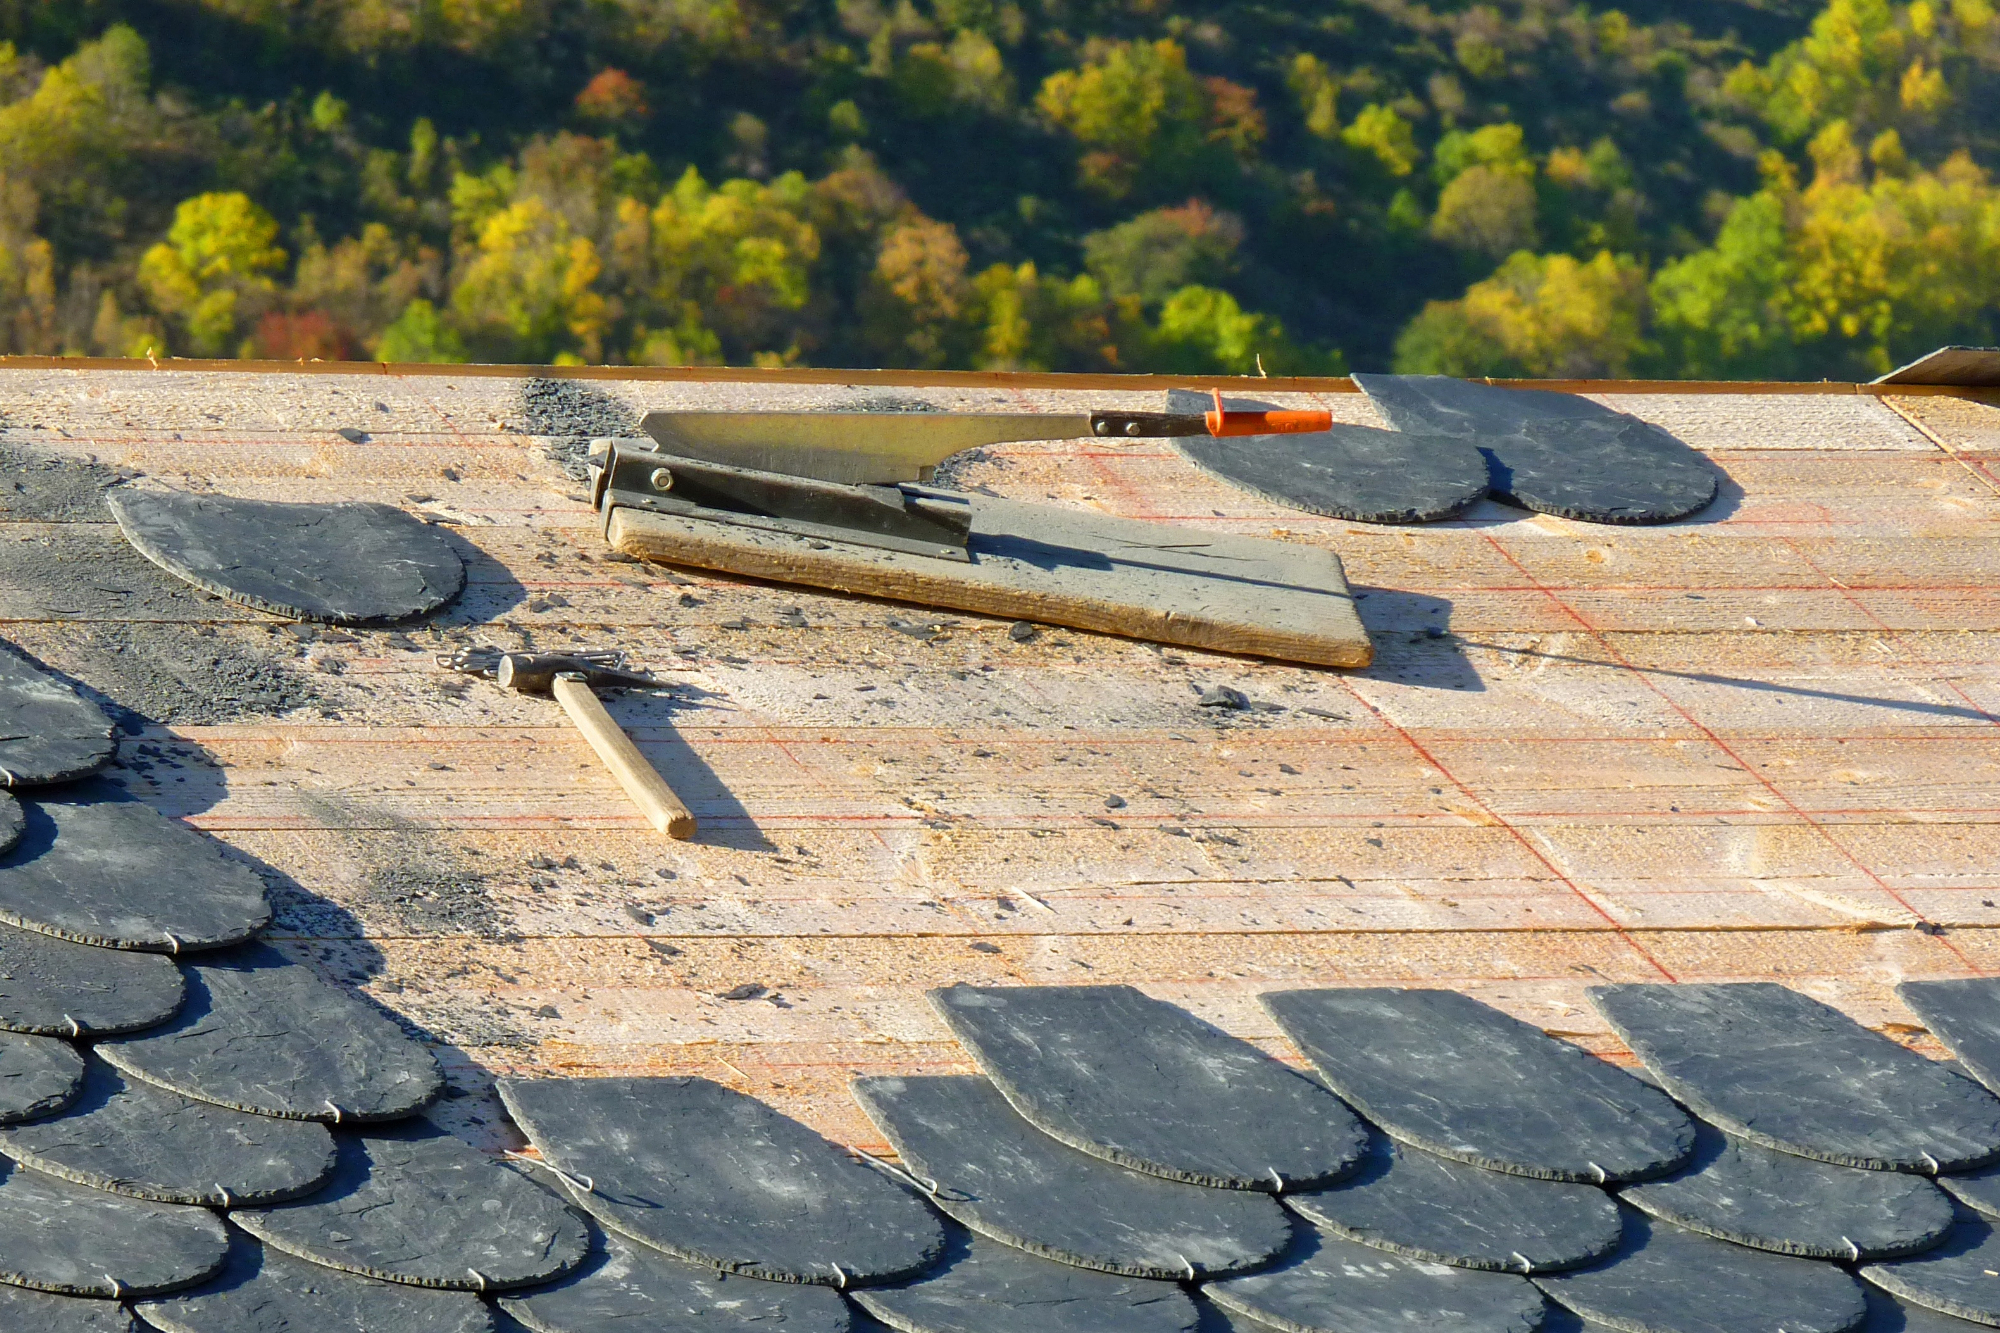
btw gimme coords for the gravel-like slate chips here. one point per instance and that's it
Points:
(38, 1076)
(1446, 1073)
(25, 1311)
(263, 1291)
(1964, 1014)
(992, 1288)
(59, 988)
(76, 1241)
(349, 563)
(721, 1179)
(1119, 1075)
(48, 732)
(1960, 1277)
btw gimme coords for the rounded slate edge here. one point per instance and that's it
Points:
(38, 1076)
(1032, 1295)
(132, 991)
(626, 1280)
(1977, 1190)
(126, 501)
(287, 1295)
(85, 745)
(195, 1235)
(1332, 1114)
(1891, 1314)
(299, 1229)
(13, 821)
(25, 1311)
(1794, 1177)
(1964, 1014)
(1431, 1182)
(1953, 1278)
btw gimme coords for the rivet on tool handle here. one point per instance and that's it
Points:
(641, 781)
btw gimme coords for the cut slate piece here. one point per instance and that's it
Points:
(1429, 1207)
(13, 822)
(992, 1288)
(1554, 453)
(38, 1076)
(1119, 1075)
(59, 988)
(347, 563)
(264, 1291)
(76, 1241)
(24, 1311)
(416, 1205)
(1743, 1192)
(48, 732)
(1887, 1314)
(721, 1179)
(264, 1034)
(1351, 472)
(1965, 1016)
(100, 868)
(1977, 1190)
(135, 1139)
(1664, 1279)
(1003, 1178)
(1960, 1277)
(1442, 1071)
(1331, 1285)
(1781, 1069)
(626, 1287)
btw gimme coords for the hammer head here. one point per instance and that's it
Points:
(535, 673)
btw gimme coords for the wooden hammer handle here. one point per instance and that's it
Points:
(641, 781)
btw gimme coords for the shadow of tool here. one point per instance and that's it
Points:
(1413, 641)
(651, 718)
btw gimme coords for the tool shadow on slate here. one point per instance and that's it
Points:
(414, 1204)
(98, 867)
(25, 1311)
(260, 1290)
(1003, 1178)
(986, 1287)
(1965, 1016)
(38, 1076)
(1555, 453)
(59, 988)
(264, 1034)
(720, 1179)
(1779, 1068)
(1418, 1204)
(348, 563)
(1114, 1073)
(1743, 1192)
(77, 1241)
(1326, 1284)
(1956, 1278)
(51, 733)
(1350, 472)
(624, 1285)
(1448, 1074)
(1664, 1279)
(135, 1139)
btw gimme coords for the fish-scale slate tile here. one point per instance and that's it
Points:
(1960, 1277)
(986, 1287)
(1978, 1190)
(413, 1204)
(1965, 1016)
(132, 1138)
(38, 1076)
(1003, 1178)
(100, 868)
(1887, 1314)
(1429, 1207)
(627, 1287)
(76, 1241)
(1781, 1069)
(13, 822)
(1555, 453)
(25, 1311)
(1446, 1073)
(59, 988)
(264, 1291)
(1747, 1193)
(346, 563)
(1665, 1279)
(721, 1179)
(263, 1034)
(48, 733)
(1331, 1285)
(1115, 1073)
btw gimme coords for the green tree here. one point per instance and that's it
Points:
(1133, 106)
(526, 293)
(1157, 253)
(1539, 316)
(214, 270)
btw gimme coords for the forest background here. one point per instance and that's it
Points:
(1711, 188)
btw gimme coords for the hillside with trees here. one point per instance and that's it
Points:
(1716, 188)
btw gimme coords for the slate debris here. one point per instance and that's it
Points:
(264, 1291)
(134, 1139)
(1740, 1191)
(25, 1311)
(416, 1205)
(1003, 1178)
(720, 1179)
(992, 1288)
(263, 1034)
(1448, 1074)
(1965, 1016)
(58, 988)
(349, 563)
(100, 868)
(51, 733)
(1428, 1207)
(38, 1076)
(76, 1241)
(1779, 1068)
(1960, 1277)
(1119, 1075)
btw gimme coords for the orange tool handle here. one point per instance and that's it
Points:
(1221, 422)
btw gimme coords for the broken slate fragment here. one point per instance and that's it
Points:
(100, 868)
(1222, 696)
(720, 1179)
(38, 1076)
(135, 1139)
(1448, 1074)
(350, 564)
(1965, 1016)
(76, 1241)
(59, 988)
(1960, 1277)
(626, 1287)
(1779, 1068)
(263, 1291)
(1003, 1178)
(48, 733)
(413, 1204)
(1114, 1073)
(991, 1288)
(263, 1034)
(25, 1311)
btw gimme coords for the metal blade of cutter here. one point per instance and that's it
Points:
(851, 448)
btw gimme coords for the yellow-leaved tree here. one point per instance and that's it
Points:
(214, 272)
